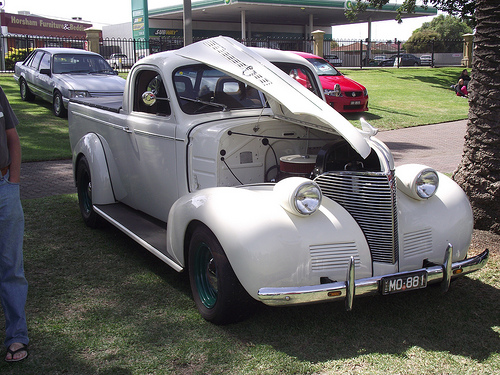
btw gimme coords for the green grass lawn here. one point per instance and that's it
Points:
(100, 304)
(398, 98)
(405, 97)
(43, 135)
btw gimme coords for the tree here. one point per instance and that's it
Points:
(422, 40)
(464, 9)
(444, 31)
(448, 27)
(479, 170)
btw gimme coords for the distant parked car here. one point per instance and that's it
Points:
(426, 60)
(387, 62)
(334, 60)
(59, 74)
(406, 59)
(119, 61)
(341, 93)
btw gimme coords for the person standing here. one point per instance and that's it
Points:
(13, 284)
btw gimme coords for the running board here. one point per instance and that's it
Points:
(147, 231)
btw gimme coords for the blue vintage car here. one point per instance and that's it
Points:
(59, 74)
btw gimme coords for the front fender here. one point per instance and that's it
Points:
(91, 147)
(428, 226)
(265, 244)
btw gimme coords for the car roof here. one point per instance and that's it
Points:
(58, 50)
(307, 55)
(275, 55)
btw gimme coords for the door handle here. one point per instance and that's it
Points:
(126, 129)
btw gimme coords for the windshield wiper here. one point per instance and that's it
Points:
(198, 100)
(102, 71)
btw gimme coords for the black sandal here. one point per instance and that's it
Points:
(12, 352)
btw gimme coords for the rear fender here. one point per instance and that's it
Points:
(91, 147)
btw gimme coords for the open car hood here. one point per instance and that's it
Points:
(287, 97)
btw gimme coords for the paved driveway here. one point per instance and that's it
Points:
(439, 146)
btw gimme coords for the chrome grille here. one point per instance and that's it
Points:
(353, 94)
(371, 200)
(99, 94)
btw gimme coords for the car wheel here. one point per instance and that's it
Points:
(58, 105)
(26, 94)
(84, 191)
(217, 292)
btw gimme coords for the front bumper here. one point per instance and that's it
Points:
(350, 288)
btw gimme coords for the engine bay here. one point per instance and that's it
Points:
(275, 150)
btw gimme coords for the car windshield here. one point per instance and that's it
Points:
(79, 63)
(323, 68)
(201, 89)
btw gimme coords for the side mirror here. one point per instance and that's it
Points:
(46, 72)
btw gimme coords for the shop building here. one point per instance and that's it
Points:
(30, 31)
(249, 19)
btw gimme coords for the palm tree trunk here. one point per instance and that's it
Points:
(479, 171)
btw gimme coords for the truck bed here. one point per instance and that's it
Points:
(108, 103)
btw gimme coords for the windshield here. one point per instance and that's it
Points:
(77, 63)
(201, 89)
(323, 67)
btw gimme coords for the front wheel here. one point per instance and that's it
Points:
(217, 292)
(84, 191)
(58, 105)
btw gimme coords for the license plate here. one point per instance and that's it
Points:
(355, 102)
(404, 283)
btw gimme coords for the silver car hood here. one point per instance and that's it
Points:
(93, 82)
(287, 97)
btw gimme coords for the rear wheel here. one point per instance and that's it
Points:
(26, 94)
(58, 105)
(217, 292)
(84, 191)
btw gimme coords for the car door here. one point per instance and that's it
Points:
(145, 151)
(32, 73)
(45, 80)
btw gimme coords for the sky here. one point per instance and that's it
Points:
(109, 12)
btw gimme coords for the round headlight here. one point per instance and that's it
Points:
(307, 198)
(426, 183)
(298, 195)
(417, 181)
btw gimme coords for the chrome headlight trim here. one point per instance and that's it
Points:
(299, 196)
(417, 181)
(426, 183)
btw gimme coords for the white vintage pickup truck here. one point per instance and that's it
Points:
(220, 163)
